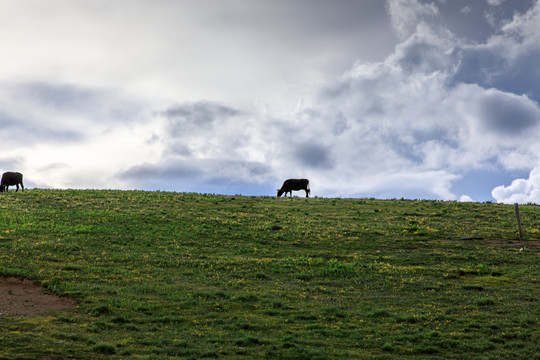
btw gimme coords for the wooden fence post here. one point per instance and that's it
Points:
(519, 222)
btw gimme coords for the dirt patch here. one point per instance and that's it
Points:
(24, 297)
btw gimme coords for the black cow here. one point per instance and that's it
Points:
(11, 178)
(294, 184)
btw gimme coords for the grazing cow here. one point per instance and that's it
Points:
(294, 184)
(11, 178)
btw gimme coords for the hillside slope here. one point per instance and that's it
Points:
(164, 275)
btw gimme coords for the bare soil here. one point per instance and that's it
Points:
(26, 298)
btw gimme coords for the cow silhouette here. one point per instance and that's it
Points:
(294, 184)
(9, 179)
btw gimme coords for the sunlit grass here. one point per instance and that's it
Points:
(161, 275)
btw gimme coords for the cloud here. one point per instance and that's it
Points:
(24, 132)
(191, 49)
(314, 155)
(206, 130)
(439, 106)
(170, 171)
(162, 173)
(201, 175)
(520, 190)
(416, 114)
(495, 2)
(507, 59)
(58, 112)
(204, 145)
(198, 115)
(9, 162)
(415, 184)
(89, 131)
(411, 124)
(406, 14)
(508, 114)
(37, 113)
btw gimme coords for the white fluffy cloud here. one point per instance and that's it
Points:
(520, 190)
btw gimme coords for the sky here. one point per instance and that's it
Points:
(416, 99)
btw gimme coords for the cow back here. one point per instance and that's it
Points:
(11, 178)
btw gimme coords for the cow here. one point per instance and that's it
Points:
(11, 178)
(294, 184)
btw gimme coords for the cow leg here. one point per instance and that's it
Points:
(17, 185)
(307, 193)
(22, 187)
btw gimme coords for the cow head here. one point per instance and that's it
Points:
(279, 192)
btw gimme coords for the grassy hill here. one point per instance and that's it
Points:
(160, 275)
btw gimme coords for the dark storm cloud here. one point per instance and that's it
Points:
(314, 155)
(508, 114)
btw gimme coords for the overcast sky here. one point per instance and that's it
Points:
(434, 99)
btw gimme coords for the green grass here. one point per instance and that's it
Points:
(161, 275)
